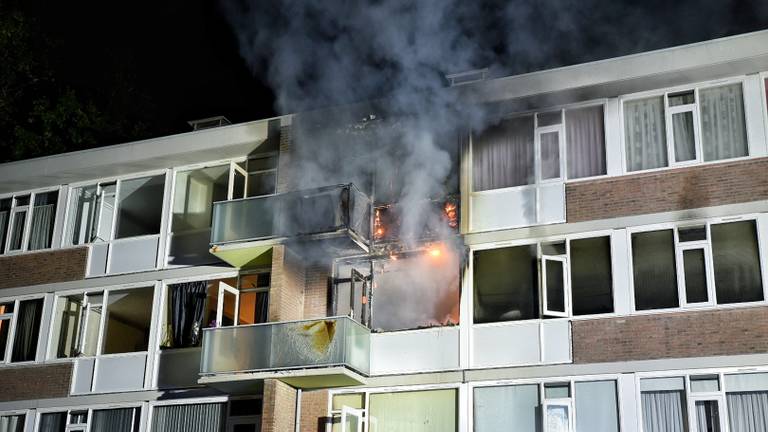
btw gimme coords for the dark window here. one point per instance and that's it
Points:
(655, 276)
(27, 330)
(737, 262)
(506, 286)
(591, 276)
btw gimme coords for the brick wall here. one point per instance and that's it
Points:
(668, 190)
(316, 292)
(279, 411)
(671, 335)
(35, 382)
(286, 293)
(43, 267)
(314, 410)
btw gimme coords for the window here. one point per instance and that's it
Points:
(664, 405)
(27, 221)
(12, 423)
(20, 329)
(574, 277)
(683, 127)
(115, 419)
(244, 415)
(416, 411)
(253, 307)
(532, 149)
(102, 322)
(115, 210)
(201, 417)
(195, 191)
(262, 175)
(697, 265)
(589, 406)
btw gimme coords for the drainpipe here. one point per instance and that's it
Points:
(297, 420)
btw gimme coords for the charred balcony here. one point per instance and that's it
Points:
(321, 353)
(334, 218)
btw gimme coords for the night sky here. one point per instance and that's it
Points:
(180, 60)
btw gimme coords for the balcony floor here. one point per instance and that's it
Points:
(305, 379)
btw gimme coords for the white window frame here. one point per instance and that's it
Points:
(566, 286)
(763, 77)
(359, 414)
(461, 413)
(567, 238)
(664, 92)
(52, 343)
(225, 289)
(571, 380)
(89, 409)
(712, 289)
(234, 171)
(172, 402)
(13, 318)
(4, 248)
(168, 233)
(706, 247)
(165, 214)
(563, 139)
(669, 113)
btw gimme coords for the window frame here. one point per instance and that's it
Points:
(89, 409)
(690, 396)
(164, 217)
(151, 405)
(712, 289)
(264, 155)
(664, 92)
(32, 193)
(669, 113)
(167, 233)
(6, 361)
(538, 241)
(763, 77)
(563, 147)
(52, 340)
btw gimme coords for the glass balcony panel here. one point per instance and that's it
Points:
(328, 342)
(292, 214)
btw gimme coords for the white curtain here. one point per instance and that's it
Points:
(663, 411)
(417, 411)
(503, 156)
(645, 133)
(189, 418)
(748, 411)
(585, 140)
(41, 231)
(723, 128)
(682, 131)
(12, 423)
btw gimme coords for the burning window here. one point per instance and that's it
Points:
(442, 219)
(405, 291)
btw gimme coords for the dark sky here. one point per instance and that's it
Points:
(182, 59)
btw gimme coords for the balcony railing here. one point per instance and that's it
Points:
(282, 346)
(321, 212)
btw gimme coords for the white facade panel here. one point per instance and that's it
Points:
(753, 110)
(622, 301)
(502, 209)
(83, 375)
(130, 377)
(556, 341)
(415, 351)
(505, 344)
(133, 255)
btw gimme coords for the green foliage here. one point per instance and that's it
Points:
(39, 114)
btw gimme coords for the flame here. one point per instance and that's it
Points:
(435, 252)
(378, 231)
(451, 214)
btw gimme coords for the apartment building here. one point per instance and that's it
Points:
(596, 264)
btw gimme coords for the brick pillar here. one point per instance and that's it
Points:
(279, 413)
(316, 291)
(314, 411)
(284, 182)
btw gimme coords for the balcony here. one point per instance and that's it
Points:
(309, 354)
(335, 218)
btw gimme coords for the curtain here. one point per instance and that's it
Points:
(682, 133)
(262, 307)
(189, 418)
(187, 309)
(503, 155)
(113, 420)
(27, 329)
(585, 140)
(12, 423)
(663, 411)
(748, 411)
(414, 411)
(723, 128)
(42, 226)
(53, 422)
(644, 129)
